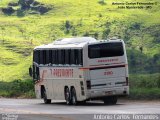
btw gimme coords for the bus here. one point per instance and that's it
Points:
(79, 69)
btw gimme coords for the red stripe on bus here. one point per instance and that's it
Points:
(107, 64)
(102, 67)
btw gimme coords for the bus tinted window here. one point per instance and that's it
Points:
(44, 57)
(36, 56)
(50, 56)
(67, 56)
(59, 60)
(41, 57)
(53, 56)
(47, 57)
(76, 57)
(72, 57)
(105, 50)
(80, 61)
(60, 56)
(56, 57)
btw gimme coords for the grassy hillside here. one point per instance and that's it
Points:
(22, 30)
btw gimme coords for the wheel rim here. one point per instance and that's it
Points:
(74, 99)
(67, 96)
(45, 96)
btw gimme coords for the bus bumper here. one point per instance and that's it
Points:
(115, 91)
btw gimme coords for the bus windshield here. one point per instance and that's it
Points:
(105, 50)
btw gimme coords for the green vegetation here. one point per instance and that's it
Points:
(17, 88)
(25, 28)
(145, 86)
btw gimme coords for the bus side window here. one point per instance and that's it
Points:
(76, 56)
(35, 72)
(72, 56)
(53, 57)
(80, 61)
(44, 57)
(38, 57)
(34, 56)
(62, 57)
(67, 56)
(59, 57)
(50, 57)
(41, 57)
(47, 57)
(56, 56)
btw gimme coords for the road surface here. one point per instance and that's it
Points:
(35, 109)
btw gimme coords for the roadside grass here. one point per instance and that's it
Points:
(145, 87)
(144, 94)
(142, 87)
(17, 88)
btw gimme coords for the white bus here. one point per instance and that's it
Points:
(80, 69)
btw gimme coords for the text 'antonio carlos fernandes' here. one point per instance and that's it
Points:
(112, 117)
(126, 117)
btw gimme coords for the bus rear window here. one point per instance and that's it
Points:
(105, 50)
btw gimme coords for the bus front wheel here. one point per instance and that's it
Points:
(46, 101)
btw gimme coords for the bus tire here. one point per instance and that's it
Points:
(67, 96)
(114, 100)
(73, 97)
(46, 101)
(110, 100)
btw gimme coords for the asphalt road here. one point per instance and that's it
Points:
(34, 109)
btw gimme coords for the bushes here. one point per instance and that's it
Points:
(145, 86)
(145, 81)
(142, 63)
(23, 88)
(102, 2)
(144, 93)
(8, 11)
(26, 5)
(141, 87)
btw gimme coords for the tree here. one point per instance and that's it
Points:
(25, 4)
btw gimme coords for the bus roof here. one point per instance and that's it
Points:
(75, 42)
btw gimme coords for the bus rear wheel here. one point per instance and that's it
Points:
(46, 101)
(73, 96)
(67, 96)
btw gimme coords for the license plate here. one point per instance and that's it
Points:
(109, 93)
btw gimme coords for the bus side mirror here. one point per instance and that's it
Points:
(30, 71)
